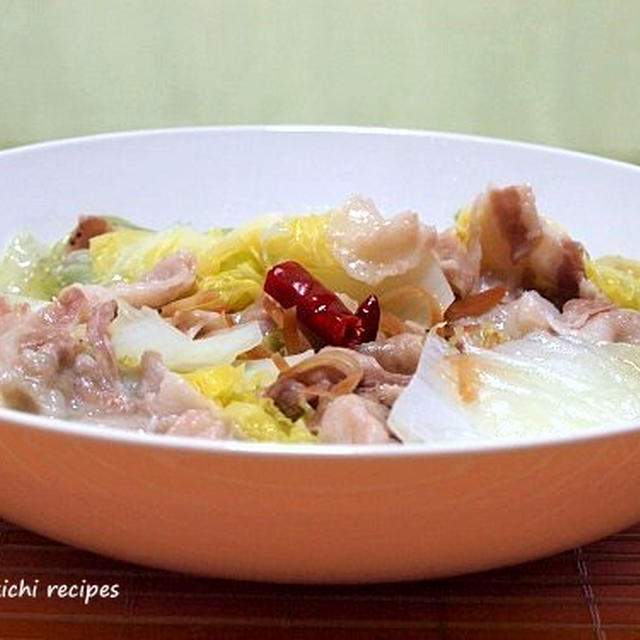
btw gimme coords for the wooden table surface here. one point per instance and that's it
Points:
(588, 593)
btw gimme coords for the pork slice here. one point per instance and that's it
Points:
(523, 249)
(594, 320)
(460, 263)
(578, 312)
(540, 256)
(47, 355)
(295, 392)
(613, 325)
(198, 323)
(351, 419)
(89, 226)
(55, 365)
(384, 394)
(173, 277)
(370, 247)
(289, 396)
(510, 244)
(398, 354)
(510, 227)
(201, 423)
(372, 372)
(293, 395)
(529, 312)
(96, 334)
(171, 405)
(71, 307)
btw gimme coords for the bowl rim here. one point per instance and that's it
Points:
(327, 451)
(363, 130)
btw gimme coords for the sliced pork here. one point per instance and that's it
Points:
(595, 320)
(507, 242)
(173, 277)
(88, 227)
(398, 354)
(199, 323)
(370, 247)
(59, 362)
(459, 261)
(351, 419)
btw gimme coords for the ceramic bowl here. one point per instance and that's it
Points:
(311, 513)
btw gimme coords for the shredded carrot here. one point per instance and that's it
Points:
(207, 300)
(414, 302)
(337, 364)
(274, 310)
(340, 388)
(294, 340)
(316, 392)
(347, 384)
(466, 372)
(475, 304)
(257, 353)
(391, 324)
(280, 362)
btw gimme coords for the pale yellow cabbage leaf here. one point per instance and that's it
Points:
(238, 393)
(128, 254)
(235, 263)
(618, 278)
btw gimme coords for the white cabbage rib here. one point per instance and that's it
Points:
(135, 331)
(535, 385)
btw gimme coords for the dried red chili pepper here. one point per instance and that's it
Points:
(319, 309)
(369, 313)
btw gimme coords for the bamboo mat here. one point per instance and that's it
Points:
(588, 593)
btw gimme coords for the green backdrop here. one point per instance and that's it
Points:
(563, 72)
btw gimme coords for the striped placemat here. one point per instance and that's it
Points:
(589, 593)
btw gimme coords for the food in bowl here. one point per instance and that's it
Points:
(341, 327)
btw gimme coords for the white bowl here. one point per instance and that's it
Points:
(311, 513)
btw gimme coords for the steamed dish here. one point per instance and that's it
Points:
(343, 326)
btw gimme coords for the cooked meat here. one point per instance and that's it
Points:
(256, 311)
(70, 307)
(320, 379)
(289, 396)
(612, 325)
(590, 319)
(200, 423)
(524, 250)
(88, 227)
(576, 313)
(509, 243)
(173, 277)
(17, 395)
(59, 362)
(372, 373)
(398, 354)
(460, 263)
(370, 247)
(555, 268)
(351, 419)
(48, 355)
(320, 375)
(172, 405)
(97, 326)
(199, 323)
(510, 228)
(527, 313)
(384, 394)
